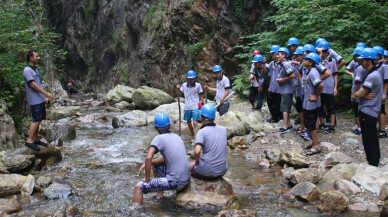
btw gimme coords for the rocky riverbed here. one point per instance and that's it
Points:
(97, 143)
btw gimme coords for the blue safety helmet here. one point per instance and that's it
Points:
(368, 53)
(361, 44)
(191, 74)
(257, 58)
(217, 68)
(379, 50)
(292, 41)
(319, 41)
(314, 57)
(385, 53)
(284, 50)
(324, 45)
(208, 111)
(309, 48)
(357, 51)
(274, 49)
(299, 50)
(161, 120)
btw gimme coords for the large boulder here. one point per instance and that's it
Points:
(171, 110)
(11, 184)
(149, 98)
(333, 202)
(60, 130)
(304, 191)
(233, 124)
(370, 177)
(312, 175)
(252, 118)
(294, 159)
(8, 206)
(42, 183)
(8, 135)
(18, 163)
(58, 191)
(28, 185)
(339, 171)
(207, 194)
(133, 118)
(48, 155)
(64, 112)
(346, 187)
(335, 158)
(120, 93)
(125, 105)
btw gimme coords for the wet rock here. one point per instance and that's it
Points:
(8, 135)
(264, 164)
(234, 125)
(111, 109)
(339, 171)
(48, 155)
(346, 187)
(91, 117)
(370, 178)
(252, 118)
(53, 131)
(294, 159)
(58, 191)
(384, 212)
(8, 206)
(170, 109)
(133, 118)
(333, 202)
(335, 158)
(328, 147)
(11, 184)
(383, 195)
(115, 122)
(18, 163)
(58, 142)
(96, 103)
(304, 191)
(351, 141)
(238, 141)
(125, 105)
(237, 213)
(207, 194)
(287, 173)
(256, 180)
(364, 207)
(42, 183)
(28, 186)
(149, 98)
(273, 154)
(312, 175)
(120, 93)
(63, 112)
(3, 168)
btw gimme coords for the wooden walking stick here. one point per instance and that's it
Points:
(206, 94)
(179, 107)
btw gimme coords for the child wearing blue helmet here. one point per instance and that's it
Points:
(222, 90)
(257, 81)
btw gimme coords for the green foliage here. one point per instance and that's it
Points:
(194, 49)
(154, 17)
(123, 69)
(342, 22)
(240, 8)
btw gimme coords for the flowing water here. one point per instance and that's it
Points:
(102, 166)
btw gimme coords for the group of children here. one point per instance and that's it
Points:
(310, 73)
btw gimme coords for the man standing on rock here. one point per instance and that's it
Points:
(192, 91)
(171, 171)
(36, 98)
(211, 140)
(222, 90)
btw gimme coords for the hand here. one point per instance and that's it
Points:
(335, 92)
(352, 75)
(50, 97)
(252, 80)
(280, 80)
(206, 87)
(369, 96)
(260, 89)
(384, 97)
(221, 101)
(313, 98)
(178, 86)
(192, 164)
(353, 96)
(141, 169)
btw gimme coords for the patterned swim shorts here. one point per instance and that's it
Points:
(161, 183)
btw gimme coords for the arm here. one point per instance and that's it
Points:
(35, 87)
(335, 84)
(349, 72)
(362, 93)
(180, 93)
(299, 76)
(265, 70)
(356, 86)
(210, 88)
(325, 75)
(201, 98)
(315, 97)
(148, 163)
(281, 80)
(197, 156)
(224, 96)
(342, 63)
(385, 91)
(251, 78)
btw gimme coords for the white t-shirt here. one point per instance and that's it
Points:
(191, 94)
(221, 85)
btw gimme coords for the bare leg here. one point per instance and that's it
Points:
(286, 120)
(33, 134)
(195, 128)
(190, 127)
(301, 116)
(382, 122)
(137, 195)
(314, 136)
(332, 120)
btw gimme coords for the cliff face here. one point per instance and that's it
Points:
(146, 42)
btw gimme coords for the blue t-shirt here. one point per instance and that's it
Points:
(374, 83)
(32, 74)
(284, 70)
(174, 153)
(311, 80)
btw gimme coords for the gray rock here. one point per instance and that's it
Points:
(294, 159)
(304, 191)
(351, 141)
(115, 122)
(8, 206)
(3, 168)
(272, 155)
(364, 207)
(234, 125)
(96, 103)
(11, 184)
(207, 194)
(63, 112)
(383, 195)
(125, 105)
(370, 178)
(133, 118)
(384, 212)
(48, 155)
(91, 118)
(252, 117)
(238, 142)
(236, 213)
(339, 171)
(28, 186)
(18, 163)
(42, 183)
(346, 187)
(58, 191)
(120, 93)
(8, 135)
(335, 158)
(333, 202)
(328, 147)
(170, 109)
(63, 130)
(312, 175)
(149, 98)
(111, 109)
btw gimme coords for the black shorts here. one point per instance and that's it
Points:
(310, 119)
(38, 112)
(299, 104)
(222, 109)
(328, 100)
(253, 91)
(382, 110)
(286, 103)
(356, 112)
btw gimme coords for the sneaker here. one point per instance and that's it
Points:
(321, 128)
(285, 130)
(33, 146)
(329, 130)
(299, 130)
(304, 133)
(272, 121)
(41, 143)
(297, 120)
(357, 132)
(307, 137)
(254, 108)
(327, 124)
(381, 134)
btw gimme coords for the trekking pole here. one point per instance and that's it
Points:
(206, 94)
(179, 106)
(227, 97)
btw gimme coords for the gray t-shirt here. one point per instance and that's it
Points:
(285, 70)
(274, 85)
(213, 140)
(258, 79)
(311, 80)
(383, 70)
(352, 66)
(221, 87)
(191, 94)
(331, 65)
(174, 153)
(335, 56)
(33, 97)
(359, 77)
(374, 83)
